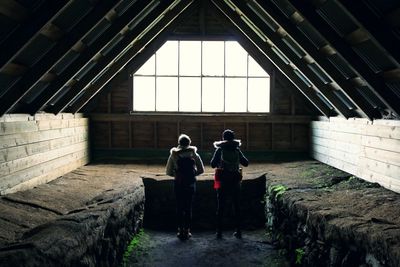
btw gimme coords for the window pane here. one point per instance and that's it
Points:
(190, 94)
(167, 59)
(190, 58)
(148, 68)
(236, 60)
(255, 69)
(235, 94)
(167, 94)
(258, 94)
(213, 94)
(144, 93)
(213, 58)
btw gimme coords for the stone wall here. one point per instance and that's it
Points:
(85, 218)
(160, 204)
(328, 218)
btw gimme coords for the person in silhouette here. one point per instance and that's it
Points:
(184, 164)
(227, 159)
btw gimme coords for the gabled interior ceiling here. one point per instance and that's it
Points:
(342, 55)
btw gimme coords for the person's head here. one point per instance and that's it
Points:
(184, 140)
(228, 135)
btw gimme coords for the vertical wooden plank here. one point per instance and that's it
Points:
(130, 134)
(247, 136)
(272, 137)
(201, 136)
(155, 134)
(109, 134)
(293, 104)
(292, 133)
(109, 100)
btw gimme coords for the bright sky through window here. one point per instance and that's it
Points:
(201, 76)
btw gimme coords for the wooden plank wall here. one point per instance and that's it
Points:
(258, 133)
(37, 149)
(367, 149)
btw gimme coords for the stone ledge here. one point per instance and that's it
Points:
(160, 202)
(325, 217)
(85, 218)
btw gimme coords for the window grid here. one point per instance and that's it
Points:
(201, 76)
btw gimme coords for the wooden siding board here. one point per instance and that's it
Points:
(120, 134)
(166, 135)
(361, 147)
(260, 136)
(143, 134)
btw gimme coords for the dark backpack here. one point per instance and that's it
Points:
(186, 170)
(230, 159)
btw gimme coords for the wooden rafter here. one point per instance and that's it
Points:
(25, 31)
(118, 24)
(28, 80)
(364, 108)
(104, 60)
(380, 30)
(375, 81)
(299, 63)
(246, 34)
(167, 23)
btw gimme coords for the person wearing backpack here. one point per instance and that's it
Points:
(184, 164)
(227, 159)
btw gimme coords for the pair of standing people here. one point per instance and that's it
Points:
(184, 163)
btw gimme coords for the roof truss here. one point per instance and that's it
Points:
(347, 66)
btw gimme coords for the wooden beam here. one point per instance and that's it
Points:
(53, 89)
(346, 86)
(160, 31)
(20, 37)
(381, 31)
(13, 10)
(252, 42)
(154, 9)
(28, 80)
(376, 83)
(300, 64)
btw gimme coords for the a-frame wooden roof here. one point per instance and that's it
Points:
(344, 56)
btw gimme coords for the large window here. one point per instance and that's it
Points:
(201, 76)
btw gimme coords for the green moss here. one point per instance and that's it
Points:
(299, 255)
(136, 242)
(277, 190)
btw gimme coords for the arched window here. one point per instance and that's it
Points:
(201, 76)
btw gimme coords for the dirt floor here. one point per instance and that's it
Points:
(163, 249)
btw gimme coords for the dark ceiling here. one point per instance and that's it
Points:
(342, 55)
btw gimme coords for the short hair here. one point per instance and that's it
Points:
(228, 135)
(184, 140)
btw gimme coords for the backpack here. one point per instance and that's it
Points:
(230, 159)
(185, 170)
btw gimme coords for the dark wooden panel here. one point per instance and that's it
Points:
(301, 136)
(120, 99)
(100, 134)
(259, 136)
(143, 134)
(166, 134)
(281, 136)
(120, 134)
